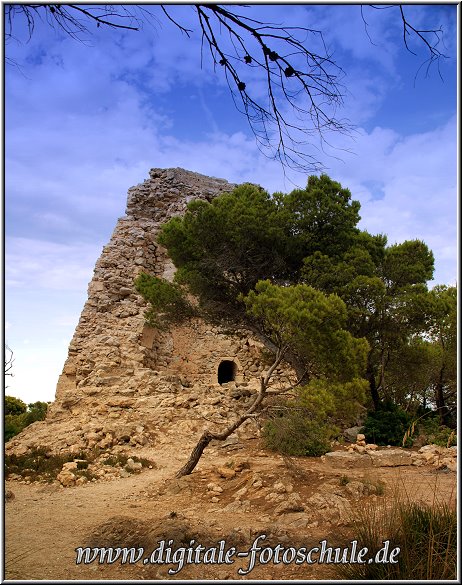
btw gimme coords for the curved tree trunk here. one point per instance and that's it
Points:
(441, 407)
(208, 436)
(373, 386)
(196, 454)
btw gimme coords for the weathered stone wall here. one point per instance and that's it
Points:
(123, 381)
(111, 344)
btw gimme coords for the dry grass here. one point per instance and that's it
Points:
(426, 534)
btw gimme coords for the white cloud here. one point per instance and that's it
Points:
(36, 371)
(418, 178)
(32, 264)
(364, 34)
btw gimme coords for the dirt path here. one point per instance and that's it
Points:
(46, 523)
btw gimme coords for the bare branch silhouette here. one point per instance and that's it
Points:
(294, 114)
(9, 361)
(429, 38)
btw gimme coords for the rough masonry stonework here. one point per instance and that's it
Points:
(125, 383)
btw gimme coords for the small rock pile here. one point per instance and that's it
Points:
(361, 446)
(439, 457)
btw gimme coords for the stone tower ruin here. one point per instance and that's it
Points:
(125, 383)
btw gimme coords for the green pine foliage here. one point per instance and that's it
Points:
(310, 324)
(18, 416)
(168, 301)
(14, 405)
(294, 433)
(341, 303)
(223, 248)
(387, 425)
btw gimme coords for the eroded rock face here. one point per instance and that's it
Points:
(123, 381)
(112, 352)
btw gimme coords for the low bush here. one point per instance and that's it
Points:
(120, 459)
(40, 465)
(36, 464)
(435, 433)
(387, 425)
(295, 433)
(344, 480)
(18, 418)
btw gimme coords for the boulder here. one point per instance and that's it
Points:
(348, 459)
(371, 447)
(351, 433)
(66, 478)
(133, 466)
(291, 504)
(69, 466)
(356, 489)
(391, 458)
(328, 507)
(226, 472)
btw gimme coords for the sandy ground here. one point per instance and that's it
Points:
(45, 523)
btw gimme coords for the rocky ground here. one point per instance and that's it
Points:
(237, 492)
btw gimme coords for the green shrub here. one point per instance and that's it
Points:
(35, 411)
(426, 536)
(344, 480)
(14, 405)
(41, 465)
(12, 426)
(120, 459)
(295, 433)
(37, 463)
(387, 425)
(435, 433)
(168, 301)
(17, 419)
(86, 473)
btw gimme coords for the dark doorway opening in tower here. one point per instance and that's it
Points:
(227, 371)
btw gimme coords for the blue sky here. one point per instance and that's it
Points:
(87, 120)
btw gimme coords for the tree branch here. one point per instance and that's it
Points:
(208, 436)
(292, 122)
(429, 38)
(9, 361)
